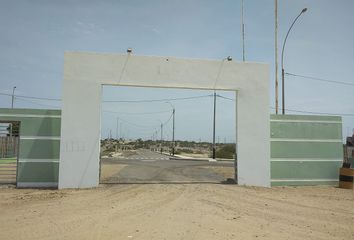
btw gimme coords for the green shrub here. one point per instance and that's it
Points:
(226, 151)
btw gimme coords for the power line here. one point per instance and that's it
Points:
(319, 113)
(157, 100)
(39, 104)
(143, 126)
(25, 98)
(168, 120)
(225, 97)
(112, 101)
(137, 125)
(29, 97)
(302, 111)
(320, 79)
(131, 113)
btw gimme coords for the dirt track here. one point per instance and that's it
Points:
(177, 211)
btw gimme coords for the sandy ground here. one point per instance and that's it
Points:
(107, 170)
(177, 211)
(226, 172)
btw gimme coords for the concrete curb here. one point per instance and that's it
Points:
(201, 159)
(185, 158)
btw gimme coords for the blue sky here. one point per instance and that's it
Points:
(35, 34)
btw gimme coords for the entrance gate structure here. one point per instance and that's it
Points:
(85, 73)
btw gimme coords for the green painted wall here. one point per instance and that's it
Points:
(306, 130)
(305, 150)
(39, 149)
(305, 170)
(32, 172)
(322, 150)
(41, 127)
(38, 160)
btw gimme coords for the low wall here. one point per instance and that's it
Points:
(38, 158)
(305, 150)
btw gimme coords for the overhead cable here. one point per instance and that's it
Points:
(318, 113)
(157, 100)
(136, 113)
(112, 101)
(302, 111)
(29, 97)
(320, 79)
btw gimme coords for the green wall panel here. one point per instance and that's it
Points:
(30, 111)
(40, 127)
(45, 123)
(295, 128)
(306, 150)
(305, 170)
(37, 172)
(306, 130)
(305, 117)
(39, 149)
(303, 183)
(11, 119)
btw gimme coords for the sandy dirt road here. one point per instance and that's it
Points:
(144, 166)
(177, 211)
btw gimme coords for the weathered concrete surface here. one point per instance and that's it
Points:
(85, 73)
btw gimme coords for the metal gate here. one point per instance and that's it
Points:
(9, 141)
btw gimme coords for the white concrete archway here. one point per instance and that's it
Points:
(85, 73)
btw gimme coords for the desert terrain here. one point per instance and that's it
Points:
(177, 211)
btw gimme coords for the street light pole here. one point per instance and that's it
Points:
(229, 59)
(173, 132)
(161, 137)
(117, 129)
(13, 97)
(282, 60)
(243, 31)
(173, 128)
(214, 147)
(276, 57)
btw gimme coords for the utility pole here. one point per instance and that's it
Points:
(214, 147)
(13, 97)
(243, 31)
(120, 130)
(276, 57)
(12, 106)
(173, 132)
(161, 137)
(156, 138)
(173, 128)
(117, 128)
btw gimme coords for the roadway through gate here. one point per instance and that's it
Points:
(145, 166)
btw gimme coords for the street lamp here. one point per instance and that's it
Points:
(173, 128)
(229, 59)
(161, 135)
(282, 59)
(13, 97)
